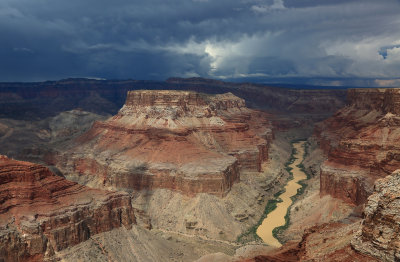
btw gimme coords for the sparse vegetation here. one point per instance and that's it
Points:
(278, 231)
(251, 234)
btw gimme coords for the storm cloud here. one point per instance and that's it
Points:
(243, 39)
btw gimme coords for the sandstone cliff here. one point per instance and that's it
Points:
(41, 213)
(184, 141)
(361, 142)
(379, 234)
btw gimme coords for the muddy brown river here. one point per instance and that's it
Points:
(277, 217)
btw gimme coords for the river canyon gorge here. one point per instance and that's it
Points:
(197, 170)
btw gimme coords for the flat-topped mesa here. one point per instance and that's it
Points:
(361, 142)
(41, 213)
(183, 99)
(179, 109)
(183, 141)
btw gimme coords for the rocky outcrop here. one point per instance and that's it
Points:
(41, 213)
(379, 235)
(330, 242)
(344, 183)
(361, 142)
(184, 141)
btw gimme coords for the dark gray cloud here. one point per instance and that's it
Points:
(155, 39)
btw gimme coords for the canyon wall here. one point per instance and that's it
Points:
(180, 140)
(41, 213)
(386, 100)
(361, 142)
(379, 235)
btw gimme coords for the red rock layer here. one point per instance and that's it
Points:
(290, 252)
(330, 242)
(41, 213)
(361, 142)
(184, 141)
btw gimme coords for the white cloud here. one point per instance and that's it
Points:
(393, 54)
(265, 8)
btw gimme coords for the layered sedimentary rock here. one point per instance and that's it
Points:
(41, 213)
(379, 235)
(185, 141)
(361, 142)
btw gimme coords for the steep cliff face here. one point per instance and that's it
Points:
(184, 141)
(379, 235)
(41, 213)
(361, 142)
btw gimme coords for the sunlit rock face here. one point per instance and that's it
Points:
(361, 142)
(180, 140)
(41, 213)
(379, 235)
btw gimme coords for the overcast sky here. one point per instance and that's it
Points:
(323, 40)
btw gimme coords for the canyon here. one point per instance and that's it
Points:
(38, 100)
(185, 169)
(277, 218)
(359, 178)
(41, 213)
(361, 142)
